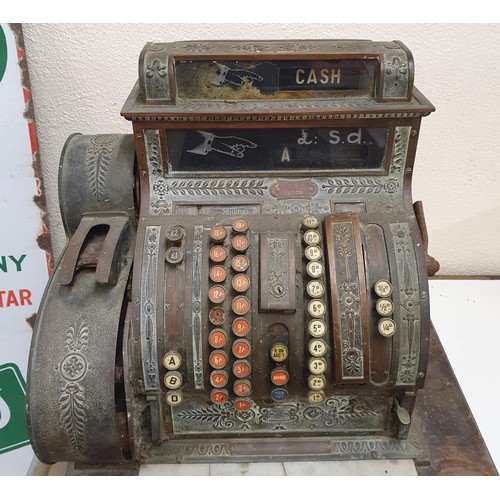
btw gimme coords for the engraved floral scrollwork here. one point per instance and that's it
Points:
(97, 161)
(72, 370)
(161, 207)
(298, 207)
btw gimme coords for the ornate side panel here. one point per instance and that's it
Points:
(409, 290)
(196, 315)
(148, 311)
(348, 296)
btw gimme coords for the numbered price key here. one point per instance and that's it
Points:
(217, 233)
(387, 327)
(240, 226)
(240, 327)
(316, 308)
(240, 305)
(314, 269)
(242, 368)
(240, 283)
(242, 387)
(240, 263)
(316, 382)
(242, 405)
(217, 338)
(241, 348)
(218, 274)
(316, 328)
(317, 347)
(315, 289)
(218, 254)
(317, 366)
(383, 288)
(219, 378)
(217, 359)
(217, 294)
(384, 307)
(219, 396)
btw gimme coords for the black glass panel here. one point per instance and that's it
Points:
(234, 150)
(261, 79)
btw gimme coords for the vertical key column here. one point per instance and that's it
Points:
(240, 309)
(217, 295)
(316, 309)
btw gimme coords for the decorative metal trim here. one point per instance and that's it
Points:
(409, 336)
(158, 186)
(334, 412)
(217, 187)
(196, 311)
(97, 161)
(149, 285)
(350, 185)
(400, 150)
(72, 370)
(349, 301)
(274, 118)
(298, 207)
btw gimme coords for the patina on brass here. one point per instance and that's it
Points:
(278, 306)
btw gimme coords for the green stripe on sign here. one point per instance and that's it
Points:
(3, 53)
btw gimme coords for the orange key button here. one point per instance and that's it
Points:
(218, 359)
(219, 396)
(219, 378)
(241, 282)
(217, 338)
(240, 243)
(240, 305)
(241, 368)
(240, 263)
(217, 294)
(241, 348)
(240, 226)
(242, 387)
(218, 253)
(218, 274)
(217, 233)
(242, 405)
(240, 327)
(279, 376)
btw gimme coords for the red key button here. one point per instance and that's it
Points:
(242, 405)
(218, 378)
(241, 283)
(242, 387)
(217, 233)
(241, 369)
(217, 294)
(240, 226)
(240, 243)
(241, 348)
(219, 396)
(218, 274)
(240, 327)
(240, 305)
(217, 338)
(218, 359)
(279, 376)
(218, 253)
(240, 263)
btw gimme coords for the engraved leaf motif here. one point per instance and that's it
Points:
(218, 187)
(359, 186)
(77, 337)
(73, 413)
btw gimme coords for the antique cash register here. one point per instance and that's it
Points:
(245, 277)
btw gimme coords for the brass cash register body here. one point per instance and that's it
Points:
(245, 277)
